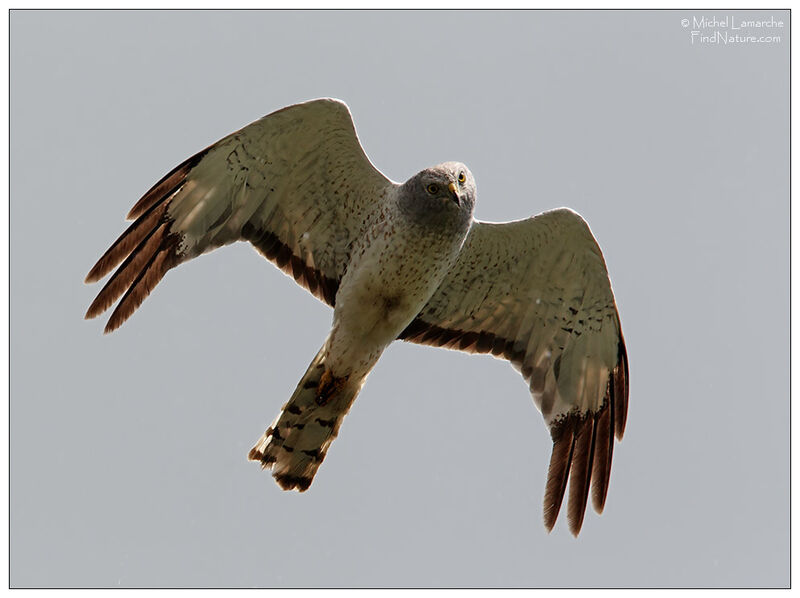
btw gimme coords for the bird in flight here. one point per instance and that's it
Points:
(394, 261)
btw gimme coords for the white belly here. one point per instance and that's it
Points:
(386, 286)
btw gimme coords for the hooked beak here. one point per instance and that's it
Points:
(454, 190)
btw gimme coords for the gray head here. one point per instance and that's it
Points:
(438, 195)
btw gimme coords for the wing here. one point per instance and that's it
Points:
(296, 184)
(536, 292)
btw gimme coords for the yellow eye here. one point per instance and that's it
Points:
(433, 189)
(461, 177)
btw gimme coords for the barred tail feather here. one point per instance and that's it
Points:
(295, 445)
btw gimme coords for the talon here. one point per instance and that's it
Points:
(328, 386)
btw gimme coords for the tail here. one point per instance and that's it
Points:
(296, 443)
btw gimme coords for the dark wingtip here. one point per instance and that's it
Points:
(127, 243)
(620, 382)
(604, 449)
(581, 472)
(108, 260)
(581, 459)
(98, 271)
(563, 434)
(164, 257)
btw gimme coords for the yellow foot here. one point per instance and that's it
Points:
(329, 385)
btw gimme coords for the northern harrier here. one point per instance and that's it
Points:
(395, 261)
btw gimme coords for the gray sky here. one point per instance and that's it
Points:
(128, 451)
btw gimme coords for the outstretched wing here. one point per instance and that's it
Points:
(295, 183)
(536, 292)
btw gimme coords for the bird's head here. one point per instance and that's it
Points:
(446, 191)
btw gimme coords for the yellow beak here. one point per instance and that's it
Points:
(454, 190)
